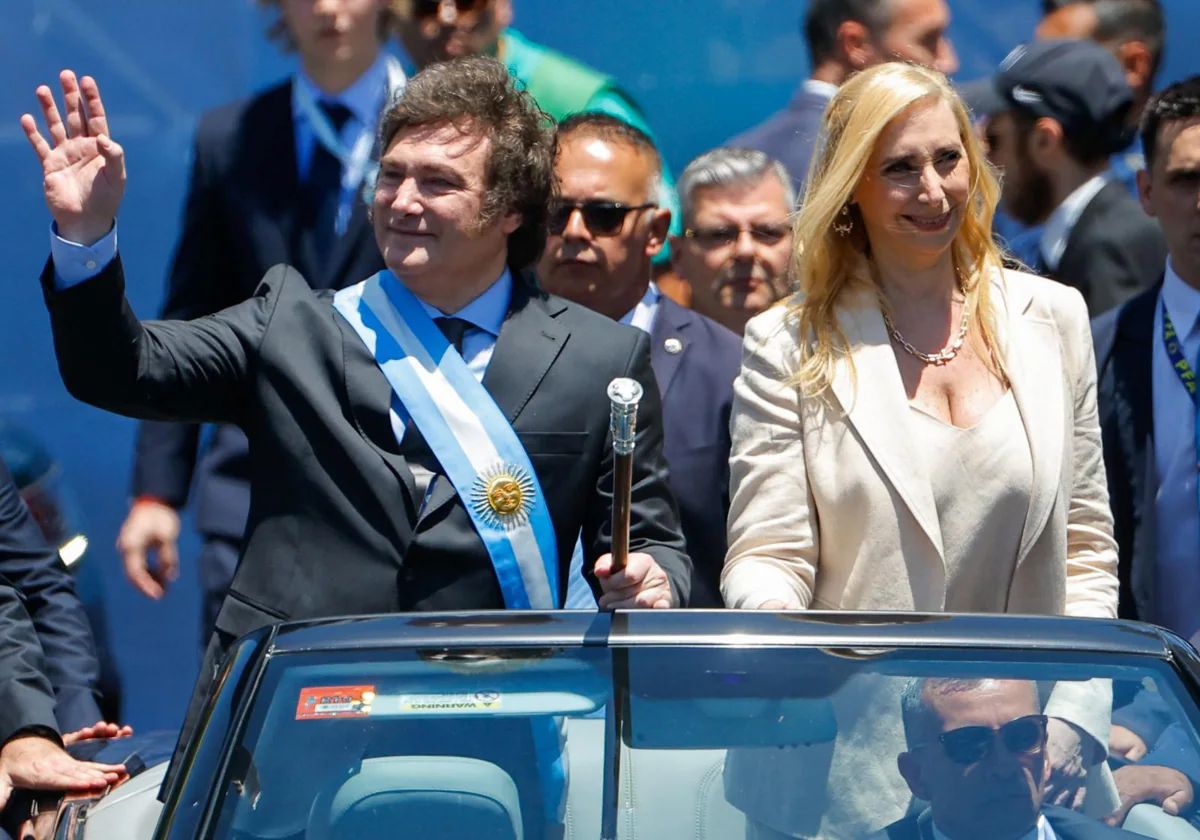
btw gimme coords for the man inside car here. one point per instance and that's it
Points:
(977, 754)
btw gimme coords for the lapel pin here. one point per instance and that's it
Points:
(673, 346)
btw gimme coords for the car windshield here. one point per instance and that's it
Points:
(683, 742)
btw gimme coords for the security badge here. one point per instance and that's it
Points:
(503, 495)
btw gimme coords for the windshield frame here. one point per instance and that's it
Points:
(1177, 665)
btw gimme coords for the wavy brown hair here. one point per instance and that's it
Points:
(826, 265)
(477, 95)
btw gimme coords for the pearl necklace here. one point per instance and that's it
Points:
(948, 352)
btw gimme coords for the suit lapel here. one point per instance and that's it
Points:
(346, 246)
(1127, 374)
(872, 395)
(670, 325)
(1031, 349)
(370, 401)
(530, 340)
(1095, 210)
(276, 178)
(358, 235)
(1132, 363)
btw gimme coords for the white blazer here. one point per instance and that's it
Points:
(831, 503)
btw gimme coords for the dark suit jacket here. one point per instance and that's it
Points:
(788, 135)
(697, 393)
(26, 697)
(1067, 824)
(1124, 339)
(239, 220)
(331, 529)
(1114, 250)
(47, 589)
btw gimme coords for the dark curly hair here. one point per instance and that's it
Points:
(478, 95)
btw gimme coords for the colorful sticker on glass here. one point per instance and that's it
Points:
(335, 701)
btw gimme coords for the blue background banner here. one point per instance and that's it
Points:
(702, 71)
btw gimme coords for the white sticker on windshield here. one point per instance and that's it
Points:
(479, 700)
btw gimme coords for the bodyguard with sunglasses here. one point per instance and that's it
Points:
(605, 231)
(977, 754)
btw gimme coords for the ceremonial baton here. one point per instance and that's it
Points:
(624, 394)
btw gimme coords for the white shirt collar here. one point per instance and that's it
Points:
(642, 315)
(363, 97)
(1041, 831)
(822, 90)
(1063, 219)
(1183, 302)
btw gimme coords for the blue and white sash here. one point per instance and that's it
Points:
(357, 166)
(467, 433)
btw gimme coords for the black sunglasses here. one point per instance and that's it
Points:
(430, 8)
(723, 237)
(1024, 736)
(602, 218)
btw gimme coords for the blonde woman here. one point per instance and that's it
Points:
(916, 429)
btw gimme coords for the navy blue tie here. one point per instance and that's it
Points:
(323, 187)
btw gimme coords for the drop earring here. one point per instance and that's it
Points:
(846, 223)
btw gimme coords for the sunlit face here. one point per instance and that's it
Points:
(451, 31)
(736, 253)
(1028, 194)
(918, 33)
(1073, 22)
(914, 191)
(606, 271)
(329, 31)
(428, 208)
(999, 796)
(1171, 193)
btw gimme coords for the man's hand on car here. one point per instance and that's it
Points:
(1162, 786)
(37, 763)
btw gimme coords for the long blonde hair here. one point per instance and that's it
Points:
(825, 263)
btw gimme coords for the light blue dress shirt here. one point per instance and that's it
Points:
(365, 99)
(486, 315)
(1177, 515)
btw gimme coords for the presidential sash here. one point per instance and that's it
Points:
(484, 460)
(467, 433)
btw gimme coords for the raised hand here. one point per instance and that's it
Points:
(83, 168)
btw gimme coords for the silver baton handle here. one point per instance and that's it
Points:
(624, 396)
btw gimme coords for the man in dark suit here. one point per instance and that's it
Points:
(977, 755)
(1148, 414)
(37, 572)
(270, 184)
(604, 234)
(356, 505)
(844, 37)
(35, 698)
(32, 757)
(1057, 112)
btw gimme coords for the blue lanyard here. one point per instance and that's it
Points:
(1179, 362)
(357, 166)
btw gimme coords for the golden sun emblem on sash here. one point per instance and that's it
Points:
(503, 495)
